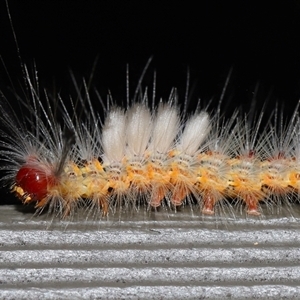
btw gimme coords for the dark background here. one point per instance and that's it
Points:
(259, 40)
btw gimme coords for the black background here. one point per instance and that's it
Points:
(259, 40)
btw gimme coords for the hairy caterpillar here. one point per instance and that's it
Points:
(146, 155)
(137, 154)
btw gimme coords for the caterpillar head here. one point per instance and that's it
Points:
(33, 181)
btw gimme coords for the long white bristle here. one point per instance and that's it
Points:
(194, 133)
(138, 129)
(165, 128)
(114, 136)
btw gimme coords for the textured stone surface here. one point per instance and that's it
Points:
(141, 255)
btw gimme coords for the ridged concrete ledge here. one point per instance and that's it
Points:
(161, 255)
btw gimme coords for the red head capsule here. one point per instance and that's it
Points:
(33, 181)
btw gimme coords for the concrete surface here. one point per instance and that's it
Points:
(141, 255)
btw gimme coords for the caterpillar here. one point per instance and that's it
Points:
(146, 154)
